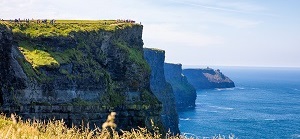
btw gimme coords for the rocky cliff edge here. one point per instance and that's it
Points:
(78, 72)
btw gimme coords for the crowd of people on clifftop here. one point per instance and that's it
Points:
(125, 21)
(38, 21)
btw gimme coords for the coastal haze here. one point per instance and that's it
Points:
(193, 32)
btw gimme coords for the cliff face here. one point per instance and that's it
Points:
(185, 93)
(5, 58)
(207, 78)
(79, 77)
(161, 89)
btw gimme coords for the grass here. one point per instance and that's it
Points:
(84, 53)
(37, 55)
(15, 128)
(134, 55)
(11, 128)
(65, 27)
(38, 58)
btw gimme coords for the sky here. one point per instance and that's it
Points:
(260, 33)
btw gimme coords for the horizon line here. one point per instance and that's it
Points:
(185, 66)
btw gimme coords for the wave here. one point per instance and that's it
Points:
(221, 108)
(251, 120)
(184, 119)
(270, 119)
(214, 111)
(224, 89)
(240, 120)
(194, 136)
(240, 88)
(190, 135)
(202, 110)
(296, 136)
(295, 89)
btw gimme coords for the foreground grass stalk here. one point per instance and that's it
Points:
(11, 128)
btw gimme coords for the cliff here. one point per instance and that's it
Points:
(207, 78)
(161, 89)
(78, 71)
(185, 93)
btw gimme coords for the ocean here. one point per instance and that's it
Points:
(265, 104)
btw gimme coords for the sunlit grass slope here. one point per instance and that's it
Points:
(38, 58)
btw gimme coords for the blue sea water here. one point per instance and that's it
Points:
(264, 104)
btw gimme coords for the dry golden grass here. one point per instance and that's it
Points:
(11, 129)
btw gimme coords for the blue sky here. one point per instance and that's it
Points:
(193, 32)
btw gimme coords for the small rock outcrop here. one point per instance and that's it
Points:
(185, 93)
(161, 89)
(208, 78)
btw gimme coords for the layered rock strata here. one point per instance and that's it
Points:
(161, 89)
(91, 74)
(185, 93)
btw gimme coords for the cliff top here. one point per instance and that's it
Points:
(46, 28)
(49, 44)
(155, 49)
(174, 64)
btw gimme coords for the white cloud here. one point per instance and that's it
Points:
(238, 23)
(230, 6)
(242, 6)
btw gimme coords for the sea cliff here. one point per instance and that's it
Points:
(185, 93)
(208, 78)
(161, 89)
(77, 71)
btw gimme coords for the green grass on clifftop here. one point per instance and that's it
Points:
(65, 27)
(84, 51)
